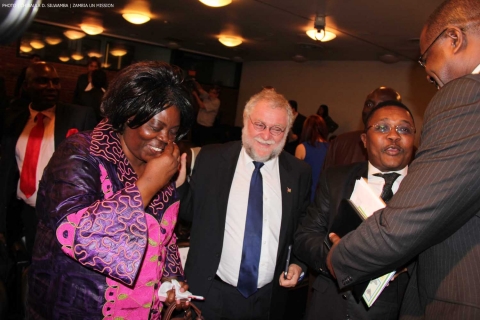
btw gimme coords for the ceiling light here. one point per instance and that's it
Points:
(74, 35)
(230, 41)
(321, 35)
(77, 56)
(91, 29)
(94, 54)
(64, 58)
(118, 52)
(137, 12)
(299, 58)
(388, 58)
(37, 44)
(216, 3)
(53, 40)
(25, 47)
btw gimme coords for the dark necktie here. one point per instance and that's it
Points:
(389, 178)
(28, 177)
(252, 241)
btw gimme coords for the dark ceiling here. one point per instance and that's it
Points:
(271, 29)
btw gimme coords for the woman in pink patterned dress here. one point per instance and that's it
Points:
(107, 205)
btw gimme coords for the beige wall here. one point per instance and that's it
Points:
(342, 85)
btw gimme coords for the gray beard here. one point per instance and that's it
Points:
(251, 152)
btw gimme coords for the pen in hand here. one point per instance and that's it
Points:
(287, 264)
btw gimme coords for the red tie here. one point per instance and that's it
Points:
(28, 181)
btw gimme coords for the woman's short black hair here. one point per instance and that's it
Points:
(143, 90)
(388, 103)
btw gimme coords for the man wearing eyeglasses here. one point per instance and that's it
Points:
(388, 137)
(435, 214)
(245, 199)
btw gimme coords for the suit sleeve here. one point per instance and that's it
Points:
(437, 197)
(313, 228)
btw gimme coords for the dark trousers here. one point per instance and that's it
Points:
(225, 302)
(202, 135)
(29, 220)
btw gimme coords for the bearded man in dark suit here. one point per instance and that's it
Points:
(17, 206)
(435, 214)
(220, 203)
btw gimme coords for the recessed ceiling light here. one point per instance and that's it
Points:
(53, 40)
(321, 35)
(230, 41)
(37, 44)
(77, 56)
(74, 35)
(216, 3)
(118, 52)
(91, 29)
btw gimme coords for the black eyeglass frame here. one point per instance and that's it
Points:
(420, 59)
(255, 124)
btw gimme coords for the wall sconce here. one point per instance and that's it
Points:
(216, 3)
(230, 41)
(137, 12)
(74, 35)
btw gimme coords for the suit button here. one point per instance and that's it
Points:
(217, 255)
(344, 296)
(209, 278)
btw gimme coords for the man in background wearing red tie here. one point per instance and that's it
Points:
(31, 134)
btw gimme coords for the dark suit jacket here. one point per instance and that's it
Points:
(328, 301)
(66, 117)
(205, 204)
(82, 83)
(435, 214)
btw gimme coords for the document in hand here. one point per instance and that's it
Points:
(366, 202)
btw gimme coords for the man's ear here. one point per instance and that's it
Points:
(457, 39)
(363, 136)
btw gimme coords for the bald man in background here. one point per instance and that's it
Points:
(348, 147)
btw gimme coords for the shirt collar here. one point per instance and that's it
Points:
(247, 161)
(372, 170)
(49, 113)
(476, 70)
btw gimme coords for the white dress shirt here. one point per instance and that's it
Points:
(46, 149)
(476, 70)
(229, 268)
(377, 183)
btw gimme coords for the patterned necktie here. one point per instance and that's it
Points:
(28, 177)
(389, 178)
(252, 240)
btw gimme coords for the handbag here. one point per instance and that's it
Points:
(171, 308)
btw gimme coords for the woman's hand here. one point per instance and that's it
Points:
(181, 304)
(158, 172)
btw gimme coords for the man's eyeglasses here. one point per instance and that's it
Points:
(402, 129)
(421, 60)
(260, 126)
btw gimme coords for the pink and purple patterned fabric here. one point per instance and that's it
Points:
(98, 253)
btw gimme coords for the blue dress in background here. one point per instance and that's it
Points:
(315, 156)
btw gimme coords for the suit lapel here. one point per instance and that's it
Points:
(362, 172)
(287, 185)
(61, 127)
(226, 171)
